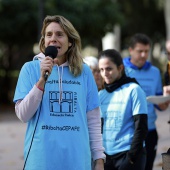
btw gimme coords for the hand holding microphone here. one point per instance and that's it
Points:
(47, 64)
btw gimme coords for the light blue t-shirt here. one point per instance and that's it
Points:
(61, 140)
(117, 110)
(149, 78)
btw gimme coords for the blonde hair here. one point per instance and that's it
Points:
(73, 54)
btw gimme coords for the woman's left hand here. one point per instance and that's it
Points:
(99, 164)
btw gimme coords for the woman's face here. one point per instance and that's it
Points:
(55, 36)
(109, 71)
(97, 77)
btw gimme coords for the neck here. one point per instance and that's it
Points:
(61, 60)
(136, 64)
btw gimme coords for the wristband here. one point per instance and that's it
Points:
(39, 88)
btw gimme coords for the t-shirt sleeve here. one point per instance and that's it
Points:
(159, 90)
(92, 92)
(139, 103)
(25, 82)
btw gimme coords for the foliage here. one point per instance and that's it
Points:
(92, 18)
(143, 16)
(18, 31)
(21, 23)
(18, 21)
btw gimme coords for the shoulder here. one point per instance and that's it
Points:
(126, 61)
(148, 66)
(136, 90)
(39, 56)
(31, 66)
(32, 63)
(154, 68)
(133, 88)
(86, 69)
(154, 71)
(102, 93)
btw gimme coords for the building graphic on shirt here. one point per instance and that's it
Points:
(63, 106)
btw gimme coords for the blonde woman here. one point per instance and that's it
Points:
(62, 110)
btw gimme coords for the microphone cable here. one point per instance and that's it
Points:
(52, 52)
(34, 130)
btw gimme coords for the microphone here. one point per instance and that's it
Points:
(52, 52)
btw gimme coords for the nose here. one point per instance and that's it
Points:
(54, 38)
(144, 53)
(105, 72)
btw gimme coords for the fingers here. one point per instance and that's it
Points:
(164, 106)
(46, 66)
(166, 90)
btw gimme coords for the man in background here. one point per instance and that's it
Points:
(149, 78)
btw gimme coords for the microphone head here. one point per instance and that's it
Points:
(51, 51)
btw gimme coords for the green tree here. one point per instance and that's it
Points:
(142, 16)
(20, 29)
(18, 33)
(21, 22)
(92, 18)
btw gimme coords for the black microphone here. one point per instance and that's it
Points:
(52, 52)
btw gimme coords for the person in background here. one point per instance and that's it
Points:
(92, 62)
(167, 73)
(166, 88)
(149, 78)
(124, 111)
(61, 111)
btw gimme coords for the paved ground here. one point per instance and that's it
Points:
(12, 133)
(164, 136)
(11, 140)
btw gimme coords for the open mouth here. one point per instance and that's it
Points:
(58, 48)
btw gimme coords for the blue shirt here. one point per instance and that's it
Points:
(149, 78)
(61, 139)
(117, 110)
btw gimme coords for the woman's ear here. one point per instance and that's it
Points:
(121, 67)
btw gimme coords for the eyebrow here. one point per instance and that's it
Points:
(56, 31)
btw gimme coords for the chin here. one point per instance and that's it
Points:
(107, 82)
